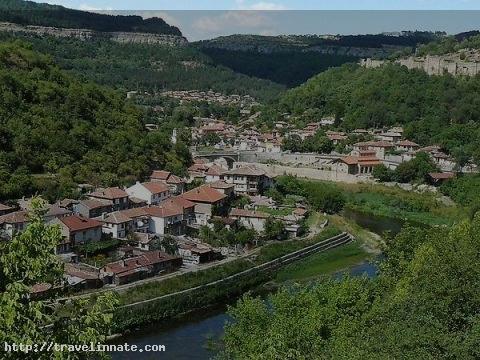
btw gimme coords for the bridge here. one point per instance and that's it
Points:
(230, 157)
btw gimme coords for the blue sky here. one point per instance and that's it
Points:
(269, 4)
(213, 18)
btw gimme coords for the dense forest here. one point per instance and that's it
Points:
(423, 305)
(292, 59)
(70, 131)
(32, 13)
(433, 109)
(146, 67)
(290, 68)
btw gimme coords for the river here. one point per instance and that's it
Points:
(187, 338)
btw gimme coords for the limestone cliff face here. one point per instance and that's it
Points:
(83, 34)
(433, 64)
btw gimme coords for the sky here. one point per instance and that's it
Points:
(269, 4)
(213, 18)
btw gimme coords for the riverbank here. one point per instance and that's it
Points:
(159, 301)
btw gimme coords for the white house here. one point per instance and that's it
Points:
(250, 218)
(152, 192)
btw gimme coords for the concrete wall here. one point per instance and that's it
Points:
(309, 173)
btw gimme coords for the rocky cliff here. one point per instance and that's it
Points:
(83, 34)
(453, 64)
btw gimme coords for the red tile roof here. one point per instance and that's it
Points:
(407, 143)
(77, 223)
(221, 184)
(15, 217)
(155, 187)
(215, 170)
(138, 263)
(109, 193)
(204, 194)
(160, 174)
(179, 201)
(442, 176)
(5, 207)
(163, 211)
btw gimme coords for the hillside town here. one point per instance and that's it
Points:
(356, 152)
(113, 236)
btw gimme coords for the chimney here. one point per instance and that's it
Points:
(104, 215)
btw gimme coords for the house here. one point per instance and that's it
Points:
(250, 218)
(145, 240)
(358, 165)
(174, 182)
(117, 196)
(142, 265)
(205, 199)
(248, 180)
(336, 137)
(80, 277)
(165, 219)
(223, 187)
(214, 173)
(136, 202)
(406, 145)
(78, 230)
(91, 208)
(380, 147)
(5, 209)
(439, 178)
(389, 136)
(117, 224)
(140, 219)
(13, 223)
(152, 192)
(196, 253)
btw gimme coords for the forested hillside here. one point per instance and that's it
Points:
(293, 59)
(451, 44)
(423, 305)
(70, 131)
(146, 67)
(32, 13)
(433, 109)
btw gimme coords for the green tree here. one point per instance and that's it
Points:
(29, 259)
(274, 229)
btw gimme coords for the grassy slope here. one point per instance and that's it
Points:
(324, 263)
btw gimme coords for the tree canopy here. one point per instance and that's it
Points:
(423, 305)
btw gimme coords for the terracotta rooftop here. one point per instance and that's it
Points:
(215, 170)
(109, 193)
(204, 194)
(407, 143)
(246, 171)
(155, 187)
(14, 217)
(78, 223)
(137, 263)
(160, 174)
(95, 203)
(5, 207)
(165, 210)
(221, 184)
(441, 176)
(116, 217)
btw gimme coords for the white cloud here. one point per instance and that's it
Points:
(229, 19)
(262, 5)
(86, 7)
